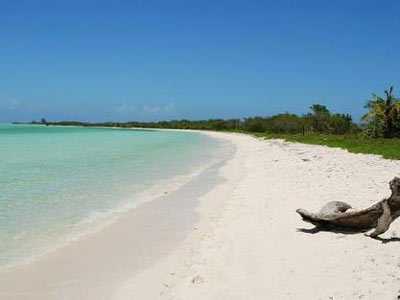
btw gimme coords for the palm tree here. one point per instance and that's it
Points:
(383, 114)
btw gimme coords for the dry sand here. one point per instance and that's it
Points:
(250, 243)
(245, 242)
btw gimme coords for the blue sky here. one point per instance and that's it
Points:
(151, 60)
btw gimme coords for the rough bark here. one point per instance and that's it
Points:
(337, 215)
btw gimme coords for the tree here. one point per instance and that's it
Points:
(383, 116)
(319, 117)
(319, 109)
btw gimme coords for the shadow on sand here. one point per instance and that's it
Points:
(387, 240)
(347, 232)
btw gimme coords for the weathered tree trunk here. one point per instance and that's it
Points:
(379, 216)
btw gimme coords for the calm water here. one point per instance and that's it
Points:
(57, 183)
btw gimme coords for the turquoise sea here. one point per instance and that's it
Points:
(59, 183)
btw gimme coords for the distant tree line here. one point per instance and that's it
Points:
(382, 120)
(319, 120)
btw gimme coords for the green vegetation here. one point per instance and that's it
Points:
(383, 116)
(319, 120)
(357, 143)
(379, 134)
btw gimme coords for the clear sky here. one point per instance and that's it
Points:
(149, 60)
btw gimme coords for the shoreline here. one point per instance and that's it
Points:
(142, 182)
(158, 224)
(242, 238)
(96, 222)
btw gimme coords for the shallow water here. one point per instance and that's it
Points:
(58, 183)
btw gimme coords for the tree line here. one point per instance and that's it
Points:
(381, 120)
(319, 120)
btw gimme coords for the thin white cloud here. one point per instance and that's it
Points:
(10, 104)
(149, 110)
(125, 108)
(159, 110)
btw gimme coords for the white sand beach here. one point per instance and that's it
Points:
(240, 239)
(249, 244)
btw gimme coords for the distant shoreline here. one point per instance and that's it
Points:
(388, 148)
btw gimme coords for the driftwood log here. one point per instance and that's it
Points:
(339, 215)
